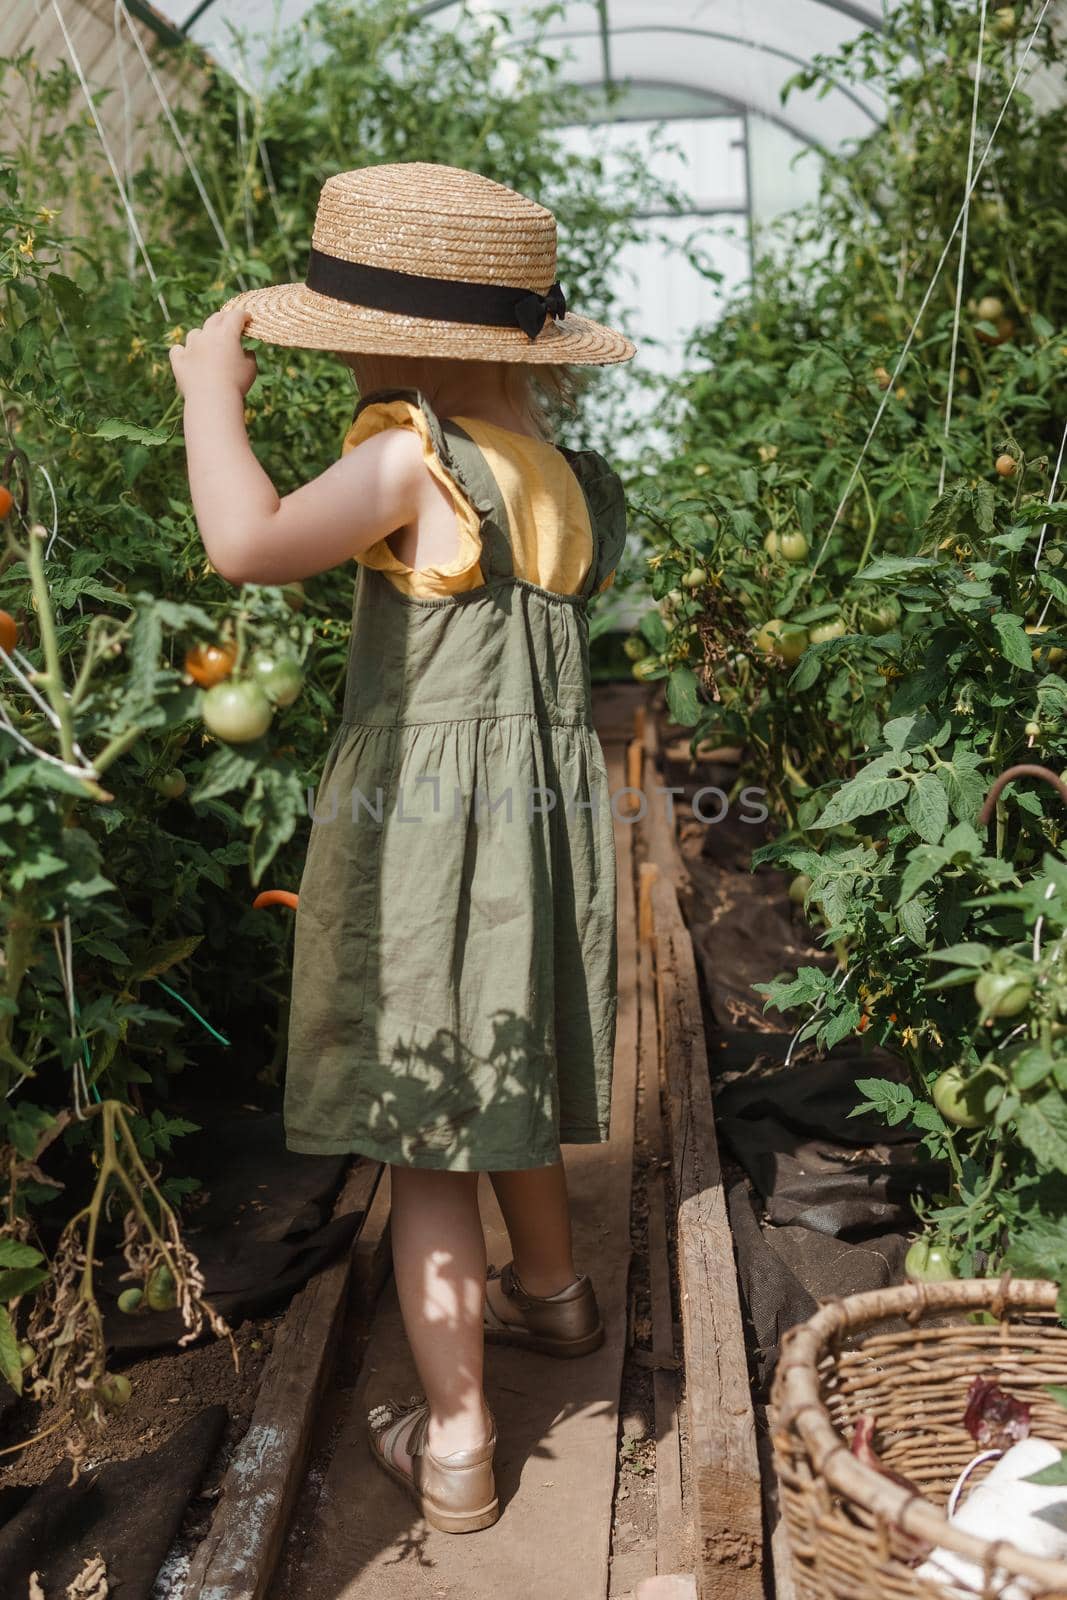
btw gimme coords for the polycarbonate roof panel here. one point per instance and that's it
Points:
(740, 52)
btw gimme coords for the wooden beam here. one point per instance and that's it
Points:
(669, 1516)
(237, 1559)
(723, 1462)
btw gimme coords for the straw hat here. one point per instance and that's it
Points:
(415, 259)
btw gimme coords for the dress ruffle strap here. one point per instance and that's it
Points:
(606, 500)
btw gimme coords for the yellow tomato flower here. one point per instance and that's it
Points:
(175, 335)
(26, 246)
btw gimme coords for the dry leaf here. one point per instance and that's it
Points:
(91, 1582)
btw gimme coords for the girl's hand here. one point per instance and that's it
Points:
(213, 357)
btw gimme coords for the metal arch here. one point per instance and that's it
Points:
(195, 15)
(723, 38)
(732, 107)
(848, 8)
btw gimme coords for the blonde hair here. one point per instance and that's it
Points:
(539, 394)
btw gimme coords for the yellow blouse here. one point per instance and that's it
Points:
(548, 520)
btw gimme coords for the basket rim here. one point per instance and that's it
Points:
(797, 1406)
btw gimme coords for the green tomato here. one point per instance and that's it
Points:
(27, 1355)
(130, 1301)
(236, 712)
(161, 1291)
(280, 679)
(171, 785)
(882, 619)
(783, 639)
(824, 631)
(636, 647)
(1001, 995)
(645, 669)
(960, 1100)
(695, 578)
(790, 546)
(114, 1390)
(798, 889)
(1005, 22)
(928, 1263)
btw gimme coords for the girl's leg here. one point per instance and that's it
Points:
(537, 1213)
(440, 1266)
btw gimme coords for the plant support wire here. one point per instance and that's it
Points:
(902, 358)
(965, 227)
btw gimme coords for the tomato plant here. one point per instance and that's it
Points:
(931, 600)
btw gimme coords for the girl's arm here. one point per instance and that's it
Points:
(249, 533)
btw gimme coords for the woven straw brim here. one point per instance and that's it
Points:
(292, 314)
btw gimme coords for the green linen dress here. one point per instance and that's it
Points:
(454, 968)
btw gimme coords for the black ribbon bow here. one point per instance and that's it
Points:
(533, 310)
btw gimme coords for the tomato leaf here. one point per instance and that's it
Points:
(15, 1281)
(1015, 643)
(893, 1101)
(10, 1361)
(682, 696)
(13, 1253)
(927, 809)
(117, 428)
(1042, 1126)
(863, 797)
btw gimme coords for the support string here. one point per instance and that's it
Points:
(1044, 525)
(963, 248)
(902, 358)
(179, 137)
(131, 218)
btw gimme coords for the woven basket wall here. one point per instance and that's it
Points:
(852, 1531)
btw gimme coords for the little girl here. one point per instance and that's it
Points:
(453, 1007)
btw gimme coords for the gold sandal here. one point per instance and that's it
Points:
(563, 1324)
(455, 1493)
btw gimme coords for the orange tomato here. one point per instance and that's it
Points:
(208, 664)
(9, 630)
(6, 502)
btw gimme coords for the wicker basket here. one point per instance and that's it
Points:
(852, 1530)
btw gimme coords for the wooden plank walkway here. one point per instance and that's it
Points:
(557, 1420)
(725, 1487)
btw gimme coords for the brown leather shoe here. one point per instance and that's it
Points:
(455, 1493)
(563, 1324)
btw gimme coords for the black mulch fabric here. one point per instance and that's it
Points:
(819, 1201)
(265, 1225)
(128, 1512)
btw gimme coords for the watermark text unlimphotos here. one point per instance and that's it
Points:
(428, 797)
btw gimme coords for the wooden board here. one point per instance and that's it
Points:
(557, 1421)
(670, 1524)
(237, 1559)
(723, 1461)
